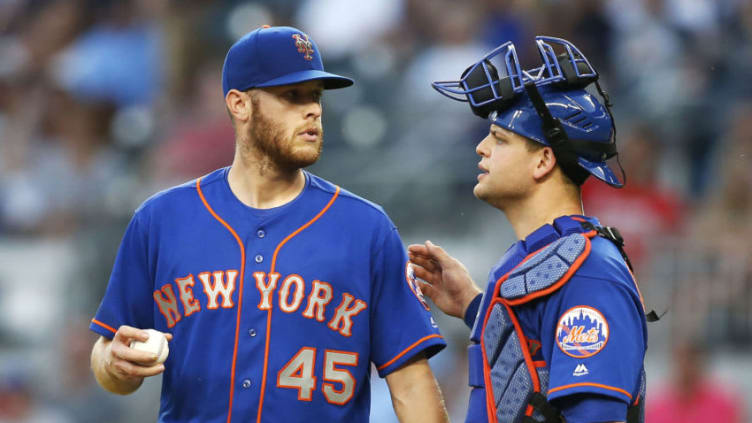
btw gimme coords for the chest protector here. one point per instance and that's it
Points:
(515, 385)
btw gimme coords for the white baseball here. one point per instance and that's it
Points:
(156, 344)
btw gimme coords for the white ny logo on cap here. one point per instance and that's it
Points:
(304, 45)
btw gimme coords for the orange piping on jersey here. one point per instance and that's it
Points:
(108, 327)
(597, 385)
(240, 294)
(269, 312)
(636, 401)
(406, 350)
(572, 269)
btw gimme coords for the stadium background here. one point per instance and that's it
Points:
(104, 102)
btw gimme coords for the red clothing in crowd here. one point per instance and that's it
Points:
(710, 403)
(639, 212)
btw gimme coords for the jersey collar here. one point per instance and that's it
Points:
(549, 233)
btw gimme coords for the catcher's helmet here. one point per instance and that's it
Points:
(548, 104)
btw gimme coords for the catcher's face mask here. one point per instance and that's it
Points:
(548, 104)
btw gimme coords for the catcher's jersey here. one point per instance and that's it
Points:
(591, 334)
(277, 314)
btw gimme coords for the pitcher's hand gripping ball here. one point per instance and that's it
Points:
(156, 344)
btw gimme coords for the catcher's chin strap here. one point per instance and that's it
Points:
(612, 234)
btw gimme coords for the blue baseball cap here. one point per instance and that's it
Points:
(275, 55)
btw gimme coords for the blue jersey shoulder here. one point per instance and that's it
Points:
(355, 204)
(606, 263)
(172, 194)
(605, 260)
(177, 201)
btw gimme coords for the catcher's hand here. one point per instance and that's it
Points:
(446, 281)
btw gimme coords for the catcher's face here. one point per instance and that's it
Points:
(506, 166)
(285, 125)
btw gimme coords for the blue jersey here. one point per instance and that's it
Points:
(277, 314)
(590, 333)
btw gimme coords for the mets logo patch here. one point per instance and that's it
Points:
(582, 332)
(414, 285)
(304, 45)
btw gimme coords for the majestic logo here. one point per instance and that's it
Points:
(582, 332)
(580, 370)
(304, 45)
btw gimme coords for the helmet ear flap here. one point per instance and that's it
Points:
(481, 95)
(567, 159)
(572, 80)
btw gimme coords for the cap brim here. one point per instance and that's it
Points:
(331, 81)
(601, 171)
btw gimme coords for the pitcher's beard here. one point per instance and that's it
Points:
(278, 151)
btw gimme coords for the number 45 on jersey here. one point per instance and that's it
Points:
(298, 374)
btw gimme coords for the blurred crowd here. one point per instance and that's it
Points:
(104, 102)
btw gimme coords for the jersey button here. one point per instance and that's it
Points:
(252, 332)
(246, 383)
(260, 233)
(259, 258)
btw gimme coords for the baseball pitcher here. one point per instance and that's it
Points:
(277, 289)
